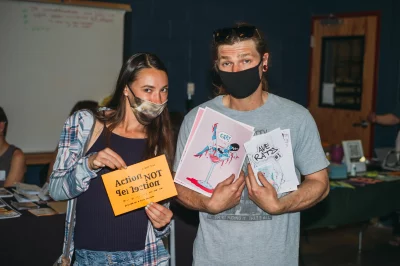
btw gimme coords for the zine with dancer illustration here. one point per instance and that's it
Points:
(213, 152)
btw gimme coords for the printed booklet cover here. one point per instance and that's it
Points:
(6, 211)
(4, 193)
(24, 205)
(272, 154)
(138, 185)
(214, 151)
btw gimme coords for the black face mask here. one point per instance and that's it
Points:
(241, 84)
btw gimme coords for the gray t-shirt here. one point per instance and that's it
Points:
(245, 234)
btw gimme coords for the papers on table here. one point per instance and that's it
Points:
(43, 212)
(59, 206)
(4, 193)
(25, 197)
(29, 192)
(27, 189)
(44, 192)
(272, 155)
(24, 205)
(6, 211)
(21, 197)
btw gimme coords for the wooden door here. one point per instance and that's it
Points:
(343, 77)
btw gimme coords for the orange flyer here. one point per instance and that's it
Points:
(138, 185)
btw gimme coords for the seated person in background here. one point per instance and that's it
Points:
(12, 159)
(85, 104)
(391, 119)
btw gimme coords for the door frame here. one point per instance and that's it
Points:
(378, 14)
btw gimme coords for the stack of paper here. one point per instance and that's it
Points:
(29, 189)
(44, 192)
(6, 211)
(59, 206)
(26, 192)
(25, 197)
(214, 151)
(272, 155)
(24, 205)
(43, 212)
(4, 193)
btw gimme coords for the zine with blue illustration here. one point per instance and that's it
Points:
(214, 151)
(272, 155)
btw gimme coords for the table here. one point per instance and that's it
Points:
(31, 240)
(348, 206)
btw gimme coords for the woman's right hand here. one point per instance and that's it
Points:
(106, 157)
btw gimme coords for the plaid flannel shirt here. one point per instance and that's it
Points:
(71, 176)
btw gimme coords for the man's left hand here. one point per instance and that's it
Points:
(264, 196)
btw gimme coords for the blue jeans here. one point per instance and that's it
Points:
(85, 257)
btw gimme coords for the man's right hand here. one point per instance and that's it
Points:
(226, 194)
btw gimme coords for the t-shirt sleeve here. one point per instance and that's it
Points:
(309, 156)
(183, 135)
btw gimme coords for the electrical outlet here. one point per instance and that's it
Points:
(190, 88)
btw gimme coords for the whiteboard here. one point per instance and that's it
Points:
(52, 56)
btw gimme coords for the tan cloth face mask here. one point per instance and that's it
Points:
(145, 111)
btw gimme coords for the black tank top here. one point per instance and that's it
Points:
(96, 226)
(5, 161)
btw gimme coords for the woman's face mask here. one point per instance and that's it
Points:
(145, 111)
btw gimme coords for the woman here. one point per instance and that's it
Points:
(12, 159)
(135, 126)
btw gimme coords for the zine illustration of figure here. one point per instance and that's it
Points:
(218, 154)
(273, 173)
(265, 160)
(286, 139)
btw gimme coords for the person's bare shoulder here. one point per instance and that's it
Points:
(18, 154)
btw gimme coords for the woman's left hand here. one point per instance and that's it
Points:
(159, 215)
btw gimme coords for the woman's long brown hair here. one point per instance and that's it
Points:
(159, 131)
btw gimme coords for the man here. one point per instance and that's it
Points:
(12, 159)
(244, 223)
